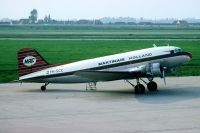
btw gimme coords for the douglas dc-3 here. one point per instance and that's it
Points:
(146, 63)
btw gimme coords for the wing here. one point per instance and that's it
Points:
(109, 75)
(153, 69)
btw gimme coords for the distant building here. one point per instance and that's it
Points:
(180, 22)
(15, 21)
(5, 21)
(145, 23)
(120, 23)
(97, 22)
(131, 23)
(40, 21)
(24, 21)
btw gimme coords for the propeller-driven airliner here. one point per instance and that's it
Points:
(139, 64)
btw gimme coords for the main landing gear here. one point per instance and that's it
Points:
(43, 88)
(140, 88)
(152, 86)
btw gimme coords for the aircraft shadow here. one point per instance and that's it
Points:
(163, 96)
(125, 92)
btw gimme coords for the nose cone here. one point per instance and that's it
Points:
(189, 55)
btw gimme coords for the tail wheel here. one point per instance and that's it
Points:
(152, 86)
(43, 88)
(139, 89)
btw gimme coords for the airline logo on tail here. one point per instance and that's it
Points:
(29, 61)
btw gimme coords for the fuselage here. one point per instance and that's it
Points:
(167, 56)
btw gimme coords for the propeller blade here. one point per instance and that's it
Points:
(164, 77)
(164, 68)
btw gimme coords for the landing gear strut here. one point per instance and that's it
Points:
(139, 88)
(43, 88)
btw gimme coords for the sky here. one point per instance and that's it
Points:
(95, 9)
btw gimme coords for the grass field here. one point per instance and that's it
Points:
(71, 44)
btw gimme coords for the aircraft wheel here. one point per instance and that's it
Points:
(152, 86)
(139, 89)
(43, 88)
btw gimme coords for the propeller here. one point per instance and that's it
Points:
(163, 74)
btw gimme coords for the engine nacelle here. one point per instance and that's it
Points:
(154, 69)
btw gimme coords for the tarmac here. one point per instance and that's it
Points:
(112, 108)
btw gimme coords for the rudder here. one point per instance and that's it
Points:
(29, 61)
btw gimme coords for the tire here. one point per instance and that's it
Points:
(43, 88)
(152, 86)
(139, 89)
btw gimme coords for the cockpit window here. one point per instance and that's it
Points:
(175, 51)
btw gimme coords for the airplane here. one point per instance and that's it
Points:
(145, 63)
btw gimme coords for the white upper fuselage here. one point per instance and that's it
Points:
(123, 62)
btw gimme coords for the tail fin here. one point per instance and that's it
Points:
(29, 61)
